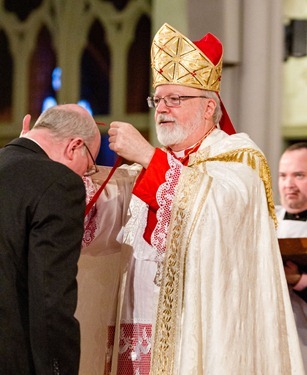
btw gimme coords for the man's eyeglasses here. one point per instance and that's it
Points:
(169, 100)
(93, 169)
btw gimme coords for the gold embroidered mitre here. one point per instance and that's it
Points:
(178, 61)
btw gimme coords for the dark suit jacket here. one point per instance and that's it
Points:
(41, 228)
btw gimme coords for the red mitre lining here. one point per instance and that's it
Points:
(213, 49)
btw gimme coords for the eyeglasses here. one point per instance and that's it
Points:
(93, 169)
(169, 100)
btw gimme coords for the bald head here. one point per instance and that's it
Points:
(69, 135)
(68, 120)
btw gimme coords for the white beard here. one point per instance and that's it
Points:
(175, 133)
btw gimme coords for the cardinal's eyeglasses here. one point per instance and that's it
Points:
(170, 100)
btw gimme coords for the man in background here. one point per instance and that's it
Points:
(42, 213)
(292, 217)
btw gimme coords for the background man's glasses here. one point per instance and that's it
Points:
(93, 169)
(169, 100)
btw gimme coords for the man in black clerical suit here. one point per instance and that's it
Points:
(292, 218)
(41, 225)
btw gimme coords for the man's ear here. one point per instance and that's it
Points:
(25, 125)
(211, 105)
(73, 145)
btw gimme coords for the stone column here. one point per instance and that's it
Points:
(260, 78)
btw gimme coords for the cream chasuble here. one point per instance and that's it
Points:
(209, 296)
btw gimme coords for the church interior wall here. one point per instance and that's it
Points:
(103, 50)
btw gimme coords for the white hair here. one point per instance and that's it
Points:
(68, 121)
(217, 115)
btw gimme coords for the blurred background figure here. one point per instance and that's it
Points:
(292, 217)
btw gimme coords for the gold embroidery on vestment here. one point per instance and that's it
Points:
(254, 159)
(172, 288)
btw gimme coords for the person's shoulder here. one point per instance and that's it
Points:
(242, 140)
(30, 164)
(56, 171)
(56, 180)
(23, 143)
(220, 143)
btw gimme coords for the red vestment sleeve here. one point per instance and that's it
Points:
(151, 178)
